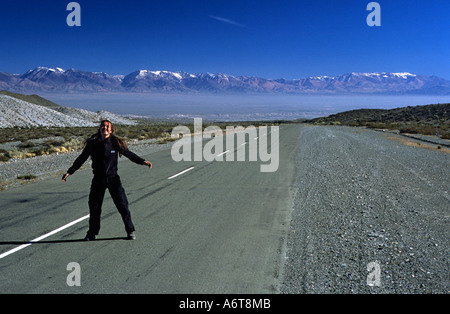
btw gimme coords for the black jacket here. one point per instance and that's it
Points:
(104, 156)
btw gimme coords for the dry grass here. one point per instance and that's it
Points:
(413, 143)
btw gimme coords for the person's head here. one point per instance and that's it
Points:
(106, 129)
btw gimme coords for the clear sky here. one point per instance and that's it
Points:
(271, 39)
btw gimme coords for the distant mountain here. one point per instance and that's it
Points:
(43, 79)
(33, 111)
(58, 80)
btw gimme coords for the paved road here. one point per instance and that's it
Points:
(342, 198)
(220, 227)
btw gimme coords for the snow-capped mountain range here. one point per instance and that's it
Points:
(44, 79)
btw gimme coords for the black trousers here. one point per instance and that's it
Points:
(117, 192)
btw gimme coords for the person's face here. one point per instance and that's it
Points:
(105, 129)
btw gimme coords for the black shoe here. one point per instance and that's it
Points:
(89, 237)
(131, 236)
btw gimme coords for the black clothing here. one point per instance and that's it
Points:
(98, 187)
(104, 164)
(104, 157)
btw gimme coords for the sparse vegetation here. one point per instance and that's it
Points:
(27, 177)
(44, 140)
(4, 155)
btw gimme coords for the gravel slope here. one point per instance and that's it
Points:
(19, 113)
(363, 198)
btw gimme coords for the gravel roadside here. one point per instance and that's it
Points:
(364, 200)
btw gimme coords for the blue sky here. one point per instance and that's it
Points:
(271, 39)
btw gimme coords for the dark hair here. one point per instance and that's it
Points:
(120, 141)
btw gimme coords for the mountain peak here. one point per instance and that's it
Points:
(57, 69)
(391, 74)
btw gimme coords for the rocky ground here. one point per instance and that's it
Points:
(363, 198)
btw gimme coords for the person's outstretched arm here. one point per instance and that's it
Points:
(135, 158)
(78, 162)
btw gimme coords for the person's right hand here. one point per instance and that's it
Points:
(65, 177)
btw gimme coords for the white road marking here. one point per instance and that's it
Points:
(180, 173)
(223, 153)
(43, 237)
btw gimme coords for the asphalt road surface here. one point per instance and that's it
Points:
(201, 227)
(341, 198)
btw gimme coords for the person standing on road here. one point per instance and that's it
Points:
(104, 148)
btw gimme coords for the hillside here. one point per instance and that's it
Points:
(428, 119)
(18, 110)
(34, 99)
